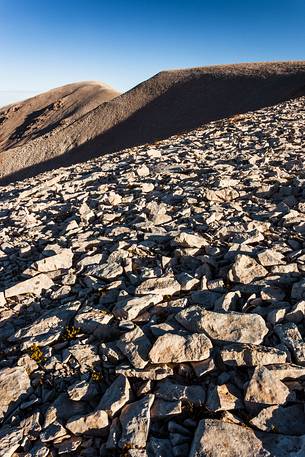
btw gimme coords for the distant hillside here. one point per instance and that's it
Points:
(168, 103)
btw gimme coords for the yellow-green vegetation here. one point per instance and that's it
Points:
(70, 333)
(96, 376)
(36, 354)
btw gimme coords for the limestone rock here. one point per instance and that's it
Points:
(14, 384)
(95, 423)
(33, 285)
(129, 308)
(116, 396)
(166, 285)
(231, 326)
(178, 348)
(55, 262)
(135, 421)
(263, 389)
(250, 355)
(245, 269)
(214, 438)
(135, 345)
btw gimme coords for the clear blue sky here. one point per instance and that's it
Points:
(48, 43)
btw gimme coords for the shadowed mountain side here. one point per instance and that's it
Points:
(168, 103)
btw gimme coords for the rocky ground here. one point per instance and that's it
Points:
(153, 300)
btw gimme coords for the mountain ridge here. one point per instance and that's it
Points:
(170, 102)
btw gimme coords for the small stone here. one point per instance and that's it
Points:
(171, 348)
(135, 421)
(166, 285)
(170, 391)
(289, 420)
(95, 423)
(130, 307)
(290, 336)
(153, 372)
(52, 432)
(263, 389)
(147, 187)
(14, 385)
(223, 398)
(214, 438)
(231, 326)
(250, 355)
(245, 270)
(116, 396)
(164, 409)
(136, 346)
(55, 262)
(188, 240)
(270, 257)
(297, 314)
(143, 171)
(33, 285)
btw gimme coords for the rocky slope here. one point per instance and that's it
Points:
(153, 299)
(166, 104)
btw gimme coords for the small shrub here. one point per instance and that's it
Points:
(70, 333)
(36, 354)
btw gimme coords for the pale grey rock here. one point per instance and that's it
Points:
(164, 409)
(287, 371)
(47, 328)
(231, 326)
(90, 320)
(130, 307)
(214, 438)
(223, 398)
(116, 396)
(203, 367)
(10, 440)
(150, 372)
(55, 262)
(33, 286)
(171, 348)
(82, 390)
(250, 355)
(69, 445)
(95, 423)
(135, 422)
(170, 390)
(283, 445)
(136, 346)
(290, 336)
(263, 389)
(270, 257)
(14, 385)
(288, 420)
(108, 271)
(2, 300)
(143, 171)
(166, 285)
(52, 432)
(245, 270)
(189, 240)
(86, 356)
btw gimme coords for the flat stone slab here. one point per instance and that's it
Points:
(231, 326)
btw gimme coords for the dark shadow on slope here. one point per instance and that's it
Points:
(187, 105)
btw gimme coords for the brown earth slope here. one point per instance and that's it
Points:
(29, 119)
(168, 103)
